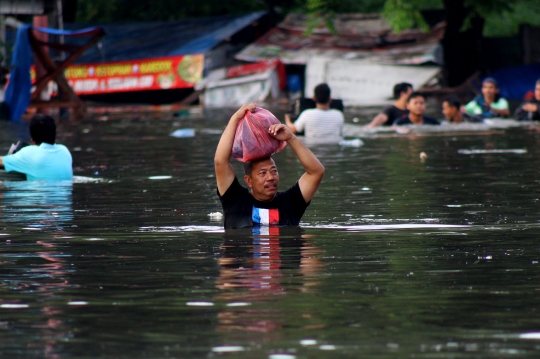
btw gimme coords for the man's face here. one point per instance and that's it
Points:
(264, 180)
(537, 92)
(489, 90)
(448, 111)
(417, 106)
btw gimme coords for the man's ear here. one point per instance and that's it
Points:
(247, 179)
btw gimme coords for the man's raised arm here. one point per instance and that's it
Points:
(309, 182)
(222, 164)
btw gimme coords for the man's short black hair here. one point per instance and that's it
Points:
(537, 82)
(248, 165)
(42, 129)
(453, 101)
(415, 94)
(322, 93)
(400, 88)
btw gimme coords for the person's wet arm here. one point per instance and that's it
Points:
(379, 120)
(222, 165)
(502, 108)
(502, 112)
(289, 123)
(309, 182)
(530, 107)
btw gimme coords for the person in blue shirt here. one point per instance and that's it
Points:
(44, 159)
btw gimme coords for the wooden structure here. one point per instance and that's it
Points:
(55, 70)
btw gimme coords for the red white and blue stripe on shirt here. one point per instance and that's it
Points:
(264, 216)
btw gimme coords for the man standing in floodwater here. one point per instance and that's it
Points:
(490, 103)
(416, 106)
(398, 110)
(264, 205)
(530, 110)
(321, 121)
(45, 160)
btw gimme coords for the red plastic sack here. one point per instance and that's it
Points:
(251, 140)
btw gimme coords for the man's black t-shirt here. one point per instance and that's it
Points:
(393, 113)
(407, 121)
(241, 209)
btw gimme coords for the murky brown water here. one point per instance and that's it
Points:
(396, 258)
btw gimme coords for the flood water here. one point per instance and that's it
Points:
(396, 257)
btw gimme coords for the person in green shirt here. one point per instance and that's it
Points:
(490, 103)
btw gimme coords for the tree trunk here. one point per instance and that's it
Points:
(462, 49)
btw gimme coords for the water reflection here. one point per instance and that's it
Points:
(38, 204)
(256, 265)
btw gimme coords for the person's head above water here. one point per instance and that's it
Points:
(416, 104)
(537, 90)
(262, 177)
(450, 107)
(402, 89)
(321, 94)
(42, 129)
(490, 91)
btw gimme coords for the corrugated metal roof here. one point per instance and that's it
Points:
(164, 38)
(358, 36)
(128, 41)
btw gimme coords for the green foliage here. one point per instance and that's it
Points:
(145, 10)
(507, 21)
(502, 17)
(402, 14)
(319, 12)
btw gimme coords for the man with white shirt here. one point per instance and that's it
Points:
(321, 121)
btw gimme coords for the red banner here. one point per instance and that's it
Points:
(160, 73)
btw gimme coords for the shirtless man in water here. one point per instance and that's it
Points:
(263, 205)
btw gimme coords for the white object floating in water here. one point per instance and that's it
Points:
(183, 133)
(529, 336)
(281, 356)
(227, 349)
(215, 216)
(351, 143)
(159, 177)
(77, 302)
(475, 152)
(85, 179)
(238, 304)
(327, 347)
(306, 342)
(13, 306)
(200, 304)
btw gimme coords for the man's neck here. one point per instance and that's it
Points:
(401, 103)
(260, 199)
(458, 117)
(322, 106)
(489, 100)
(416, 119)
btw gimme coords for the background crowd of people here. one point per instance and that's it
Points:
(409, 108)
